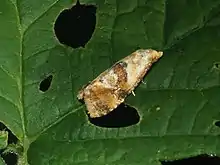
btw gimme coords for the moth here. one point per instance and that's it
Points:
(111, 87)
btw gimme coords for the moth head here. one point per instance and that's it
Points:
(150, 54)
(155, 55)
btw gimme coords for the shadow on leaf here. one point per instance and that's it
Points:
(123, 116)
(201, 159)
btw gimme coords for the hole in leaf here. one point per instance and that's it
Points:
(217, 123)
(10, 158)
(74, 27)
(122, 116)
(45, 83)
(201, 159)
(217, 65)
(12, 139)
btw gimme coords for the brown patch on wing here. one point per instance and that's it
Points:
(120, 71)
(105, 95)
(101, 100)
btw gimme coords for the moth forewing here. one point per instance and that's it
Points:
(111, 87)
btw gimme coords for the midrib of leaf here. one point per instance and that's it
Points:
(26, 140)
(26, 143)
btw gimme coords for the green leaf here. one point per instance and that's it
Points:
(3, 143)
(178, 105)
(3, 139)
(2, 161)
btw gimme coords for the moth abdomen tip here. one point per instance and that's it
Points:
(80, 95)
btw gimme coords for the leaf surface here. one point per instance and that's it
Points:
(178, 105)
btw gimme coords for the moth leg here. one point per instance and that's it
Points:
(143, 82)
(133, 93)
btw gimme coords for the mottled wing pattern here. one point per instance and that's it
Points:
(112, 86)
